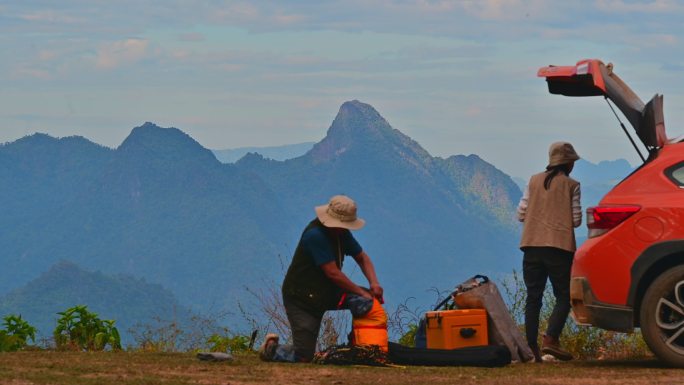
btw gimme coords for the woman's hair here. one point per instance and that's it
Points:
(552, 171)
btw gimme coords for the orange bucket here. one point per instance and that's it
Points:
(371, 329)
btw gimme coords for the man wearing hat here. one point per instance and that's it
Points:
(550, 210)
(315, 283)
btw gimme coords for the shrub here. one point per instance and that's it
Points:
(79, 329)
(235, 343)
(178, 334)
(164, 336)
(409, 338)
(15, 333)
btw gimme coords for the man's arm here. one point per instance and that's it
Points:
(366, 265)
(340, 279)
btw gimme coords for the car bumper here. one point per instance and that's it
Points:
(586, 310)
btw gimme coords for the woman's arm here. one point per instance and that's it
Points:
(576, 207)
(522, 205)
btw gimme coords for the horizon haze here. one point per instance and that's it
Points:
(458, 77)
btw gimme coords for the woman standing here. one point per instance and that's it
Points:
(549, 209)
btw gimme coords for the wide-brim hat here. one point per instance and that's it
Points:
(339, 212)
(561, 153)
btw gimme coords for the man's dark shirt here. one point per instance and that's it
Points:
(305, 280)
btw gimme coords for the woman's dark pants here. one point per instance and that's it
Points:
(540, 263)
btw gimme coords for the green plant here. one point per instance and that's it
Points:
(15, 333)
(409, 338)
(79, 329)
(229, 342)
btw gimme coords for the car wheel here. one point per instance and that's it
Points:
(662, 316)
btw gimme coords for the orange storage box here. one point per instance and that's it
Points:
(451, 329)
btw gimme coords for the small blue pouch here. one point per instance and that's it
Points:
(357, 305)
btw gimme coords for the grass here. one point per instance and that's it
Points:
(105, 368)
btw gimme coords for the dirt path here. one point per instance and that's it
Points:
(27, 368)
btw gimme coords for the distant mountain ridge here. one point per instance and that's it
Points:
(159, 206)
(283, 152)
(130, 301)
(162, 207)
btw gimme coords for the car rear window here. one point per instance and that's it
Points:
(676, 174)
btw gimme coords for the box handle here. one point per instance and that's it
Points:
(467, 332)
(437, 317)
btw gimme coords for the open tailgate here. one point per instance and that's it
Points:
(593, 78)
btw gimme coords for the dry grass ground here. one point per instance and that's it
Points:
(46, 367)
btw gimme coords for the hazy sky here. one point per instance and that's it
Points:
(459, 77)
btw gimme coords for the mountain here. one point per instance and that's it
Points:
(129, 301)
(597, 179)
(163, 208)
(160, 206)
(272, 152)
(431, 222)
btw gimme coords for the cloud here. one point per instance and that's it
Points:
(498, 10)
(119, 53)
(473, 111)
(656, 6)
(192, 36)
(237, 13)
(481, 20)
(49, 16)
(47, 55)
(31, 73)
(672, 67)
(282, 19)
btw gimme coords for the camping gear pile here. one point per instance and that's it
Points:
(479, 292)
(478, 332)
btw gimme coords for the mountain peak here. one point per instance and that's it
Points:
(359, 126)
(357, 107)
(355, 117)
(167, 143)
(44, 149)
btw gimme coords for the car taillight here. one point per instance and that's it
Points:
(600, 219)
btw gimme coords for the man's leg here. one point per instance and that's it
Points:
(305, 327)
(534, 275)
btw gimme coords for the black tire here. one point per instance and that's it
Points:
(662, 316)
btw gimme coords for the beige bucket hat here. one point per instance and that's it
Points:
(561, 153)
(339, 212)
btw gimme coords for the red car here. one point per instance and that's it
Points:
(630, 271)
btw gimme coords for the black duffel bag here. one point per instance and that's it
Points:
(489, 356)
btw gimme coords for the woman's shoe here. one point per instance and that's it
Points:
(552, 346)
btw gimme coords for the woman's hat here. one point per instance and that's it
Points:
(339, 212)
(561, 153)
